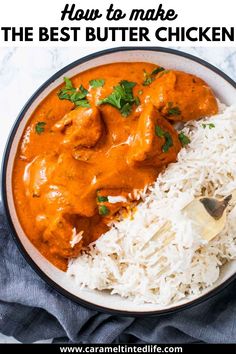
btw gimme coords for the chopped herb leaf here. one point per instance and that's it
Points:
(159, 131)
(101, 199)
(70, 93)
(103, 210)
(128, 85)
(77, 96)
(122, 97)
(173, 111)
(40, 127)
(184, 139)
(149, 78)
(157, 70)
(163, 73)
(69, 85)
(137, 100)
(209, 125)
(126, 109)
(168, 142)
(162, 134)
(83, 90)
(140, 92)
(82, 103)
(97, 83)
(113, 99)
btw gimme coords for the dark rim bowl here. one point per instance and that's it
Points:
(128, 311)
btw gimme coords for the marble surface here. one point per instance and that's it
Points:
(23, 70)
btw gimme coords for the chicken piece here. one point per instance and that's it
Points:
(82, 154)
(59, 234)
(82, 127)
(156, 142)
(55, 183)
(182, 97)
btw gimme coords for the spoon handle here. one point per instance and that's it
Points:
(214, 207)
(233, 196)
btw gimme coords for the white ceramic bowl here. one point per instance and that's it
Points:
(225, 90)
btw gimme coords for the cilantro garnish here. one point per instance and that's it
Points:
(173, 110)
(40, 127)
(184, 139)
(209, 125)
(149, 78)
(168, 142)
(103, 210)
(159, 131)
(102, 199)
(166, 135)
(74, 95)
(97, 83)
(122, 97)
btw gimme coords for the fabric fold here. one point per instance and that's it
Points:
(30, 310)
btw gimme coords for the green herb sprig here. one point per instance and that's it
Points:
(209, 125)
(168, 142)
(103, 210)
(122, 97)
(102, 199)
(150, 77)
(173, 110)
(74, 95)
(97, 83)
(184, 139)
(166, 135)
(40, 127)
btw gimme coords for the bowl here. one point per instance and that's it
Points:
(225, 90)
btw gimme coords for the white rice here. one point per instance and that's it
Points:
(131, 261)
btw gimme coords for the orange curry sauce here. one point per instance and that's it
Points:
(81, 166)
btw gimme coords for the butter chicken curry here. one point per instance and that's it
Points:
(95, 140)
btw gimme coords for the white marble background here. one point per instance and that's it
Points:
(23, 70)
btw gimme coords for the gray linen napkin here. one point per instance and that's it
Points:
(30, 310)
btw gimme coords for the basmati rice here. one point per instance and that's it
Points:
(136, 259)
